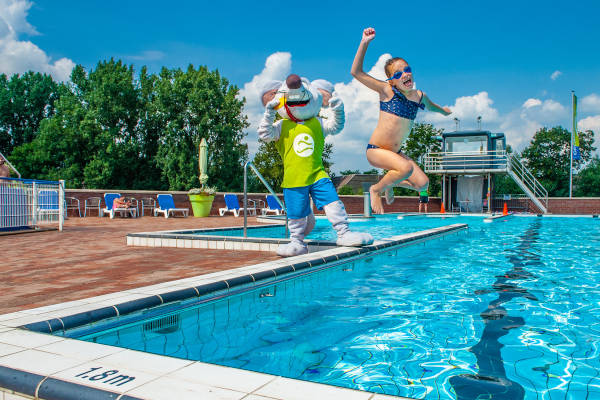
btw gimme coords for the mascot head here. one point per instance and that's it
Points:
(298, 100)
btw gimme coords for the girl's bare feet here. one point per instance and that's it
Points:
(376, 204)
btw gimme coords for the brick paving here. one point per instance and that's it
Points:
(90, 257)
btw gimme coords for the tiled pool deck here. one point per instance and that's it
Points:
(90, 258)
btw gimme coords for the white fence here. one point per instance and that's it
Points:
(30, 203)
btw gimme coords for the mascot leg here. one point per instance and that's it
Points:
(296, 246)
(310, 224)
(336, 214)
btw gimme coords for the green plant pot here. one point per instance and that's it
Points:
(201, 204)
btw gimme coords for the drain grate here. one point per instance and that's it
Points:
(164, 325)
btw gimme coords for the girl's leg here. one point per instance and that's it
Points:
(416, 181)
(399, 169)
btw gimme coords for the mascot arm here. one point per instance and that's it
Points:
(334, 125)
(268, 129)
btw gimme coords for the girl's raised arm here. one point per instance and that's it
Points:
(431, 106)
(357, 65)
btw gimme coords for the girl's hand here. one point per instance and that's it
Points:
(447, 110)
(368, 35)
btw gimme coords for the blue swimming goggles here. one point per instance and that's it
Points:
(398, 74)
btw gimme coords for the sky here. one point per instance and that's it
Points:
(514, 63)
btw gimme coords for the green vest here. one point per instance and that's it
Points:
(301, 149)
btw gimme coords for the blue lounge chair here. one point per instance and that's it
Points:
(166, 205)
(232, 205)
(273, 206)
(109, 199)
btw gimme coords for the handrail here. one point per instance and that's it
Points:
(10, 165)
(527, 177)
(494, 160)
(258, 174)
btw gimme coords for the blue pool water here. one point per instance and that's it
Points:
(508, 310)
(382, 226)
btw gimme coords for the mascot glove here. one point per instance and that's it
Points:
(335, 102)
(272, 104)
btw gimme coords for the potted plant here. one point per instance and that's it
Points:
(201, 200)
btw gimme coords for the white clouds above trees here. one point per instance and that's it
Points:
(18, 56)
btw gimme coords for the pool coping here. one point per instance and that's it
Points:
(35, 364)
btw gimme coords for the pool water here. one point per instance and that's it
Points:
(509, 310)
(381, 226)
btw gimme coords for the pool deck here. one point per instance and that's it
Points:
(91, 257)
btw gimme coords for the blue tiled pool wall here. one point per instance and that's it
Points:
(66, 325)
(504, 320)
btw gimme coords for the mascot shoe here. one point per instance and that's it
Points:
(336, 214)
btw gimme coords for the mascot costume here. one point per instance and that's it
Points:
(299, 137)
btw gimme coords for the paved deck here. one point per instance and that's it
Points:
(90, 257)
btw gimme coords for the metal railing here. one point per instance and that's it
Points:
(30, 203)
(467, 161)
(520, 173)
(262, 179)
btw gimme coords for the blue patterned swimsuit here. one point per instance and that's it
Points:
(401, 106)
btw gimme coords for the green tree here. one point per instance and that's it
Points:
(268, 162)
(197, 104)
(547, 157)
(349, 172)
(25, 100)
(587, 181)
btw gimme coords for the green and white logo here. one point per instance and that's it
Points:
(304, 145)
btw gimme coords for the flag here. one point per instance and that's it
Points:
(576, 151)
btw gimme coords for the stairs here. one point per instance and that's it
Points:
(528, 183)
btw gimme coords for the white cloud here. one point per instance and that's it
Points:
(532, 103)
(555, 75)
(466, 109)
(590, 103)
(590, 123)
(18, 56)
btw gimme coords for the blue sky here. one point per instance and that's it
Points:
(513, 62)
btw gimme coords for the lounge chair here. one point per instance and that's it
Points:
(109, 199)
(232, 205)
(273, 206)
(166, 205)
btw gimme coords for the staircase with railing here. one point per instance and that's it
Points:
(528, 183)
(484, 162)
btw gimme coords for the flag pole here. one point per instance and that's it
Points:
(571, 149)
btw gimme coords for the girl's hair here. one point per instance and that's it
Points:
(388, 65)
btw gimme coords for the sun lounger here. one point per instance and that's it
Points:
(109, 199)
(166, 205)
(232, 205)
(273, 206)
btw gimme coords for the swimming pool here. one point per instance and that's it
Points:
(510, 310)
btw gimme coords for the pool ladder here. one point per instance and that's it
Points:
(249, 164)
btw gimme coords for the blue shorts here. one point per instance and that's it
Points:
(297, 201)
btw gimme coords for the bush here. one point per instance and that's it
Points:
(345, 190)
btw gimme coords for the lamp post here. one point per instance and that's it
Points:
(457, 122)
(479, 123)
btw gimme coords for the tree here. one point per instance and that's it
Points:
(349, 172)
(268, 162)
(547, 157)
(587, 181)
(25, 100)
(197, 104)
